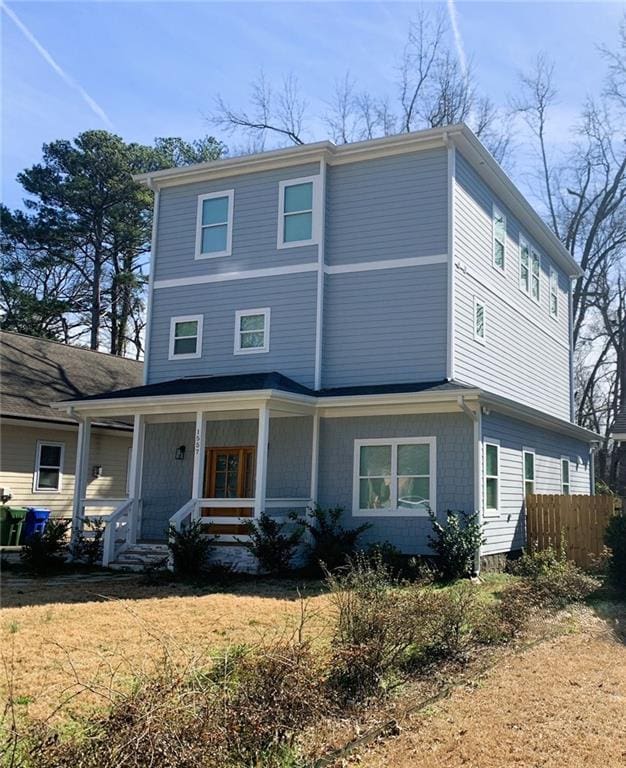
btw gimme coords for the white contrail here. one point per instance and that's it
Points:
(458, 40)
(91, 103)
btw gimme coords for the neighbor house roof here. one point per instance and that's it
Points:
(459, 135)
(618, 431)
(35, 372)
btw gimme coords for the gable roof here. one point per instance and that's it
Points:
(35, 372)
(458, 135)
(618, 429)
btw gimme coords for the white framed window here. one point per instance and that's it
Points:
(524, 265)
(535, 275)
(554, 293)
(492, 477)
(528, 468)
(185, 337)
(252, 331)
(565, 476)
(48, 476)
(480, 321)
(214, 224)
(298, 212)
(395, 476)
(499, 238)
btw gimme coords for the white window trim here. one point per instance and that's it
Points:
(265, 311)
(488, 511)
(530, 451)
(230, 194)
(480, 339)
(393, 510)
(494, 214)
(534, 252)
(569, 483)
(524, 242)
(186, 319)
(554, 291)
(54, 444)
(315, 212)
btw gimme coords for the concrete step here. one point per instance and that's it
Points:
(139, 556)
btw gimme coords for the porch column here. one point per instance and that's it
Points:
(261, 460)
(197, 483)
(136, 475)
(315, 453)
(80, 475)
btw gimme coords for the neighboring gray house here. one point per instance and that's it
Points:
(382, 326)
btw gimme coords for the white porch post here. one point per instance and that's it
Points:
(197, 483)
(80, 475)
(261, 460)
(136, 475)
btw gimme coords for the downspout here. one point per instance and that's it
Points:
(592, 468)
(451, 229)
(149, 301)
(319, 311)
(572, 406)
(477, 419)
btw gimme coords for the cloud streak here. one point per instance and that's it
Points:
(47, 57)
(458, 40)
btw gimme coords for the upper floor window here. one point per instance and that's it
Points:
(529, 270)
(394, 476)
(297, 215)
(535, 274)
(529, 471)
(48, 467)
(252, 331)
(565, 481)
(492, 477)
(480, 321)
(214, 232)
(554, 292)
(185, 337)
(499, 238)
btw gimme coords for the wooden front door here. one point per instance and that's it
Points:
(229, 473)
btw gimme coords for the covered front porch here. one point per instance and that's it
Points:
(219, 460)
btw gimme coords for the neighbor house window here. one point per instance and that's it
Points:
(297, 215)
(480, 321)
(395, 476)
(524, 265)
(185, 337)
(499, 238)
(48, 467)
(565, 481)
(252, 331)
(554, 292)
(214, 233)
(492, 477)
(535, 273)
(528, 457)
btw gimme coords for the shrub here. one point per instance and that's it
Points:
(508, 616)
(45, 552)
(190, 549)
(273, 548)
(398, 564)
(615, 539)
(455, 543)
(330, 543)
(88, 549)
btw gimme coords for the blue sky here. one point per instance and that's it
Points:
(147, 69)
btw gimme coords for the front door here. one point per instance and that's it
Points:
(229, 474)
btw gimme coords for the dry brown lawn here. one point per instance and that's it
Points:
(561, 704)
(99, 631)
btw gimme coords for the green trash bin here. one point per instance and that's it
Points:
(15, 520)
(4, 525)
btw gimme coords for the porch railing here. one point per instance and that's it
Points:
(117, 532)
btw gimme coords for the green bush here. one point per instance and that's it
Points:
(330, 544)
(190, 550)
(400, 565)
(455, 543)
(45, 552)
(273, 548)
(615, 539)
(88, 549)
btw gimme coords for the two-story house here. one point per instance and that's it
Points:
(383, 326)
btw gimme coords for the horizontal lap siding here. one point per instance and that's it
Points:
(385, 326)
(389, 208)
(507, 531)
(526, 357)
(255, 226)
(292, 300)
(455, 485)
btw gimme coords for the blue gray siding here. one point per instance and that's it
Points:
(389, 208)
(255, 226)
(506, 531)
(455, 485)
(526, 356)
(292, 300)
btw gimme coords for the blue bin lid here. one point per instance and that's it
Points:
(39, 511)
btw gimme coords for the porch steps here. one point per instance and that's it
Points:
(140, 556)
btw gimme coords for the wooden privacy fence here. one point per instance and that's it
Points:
(581, 520)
